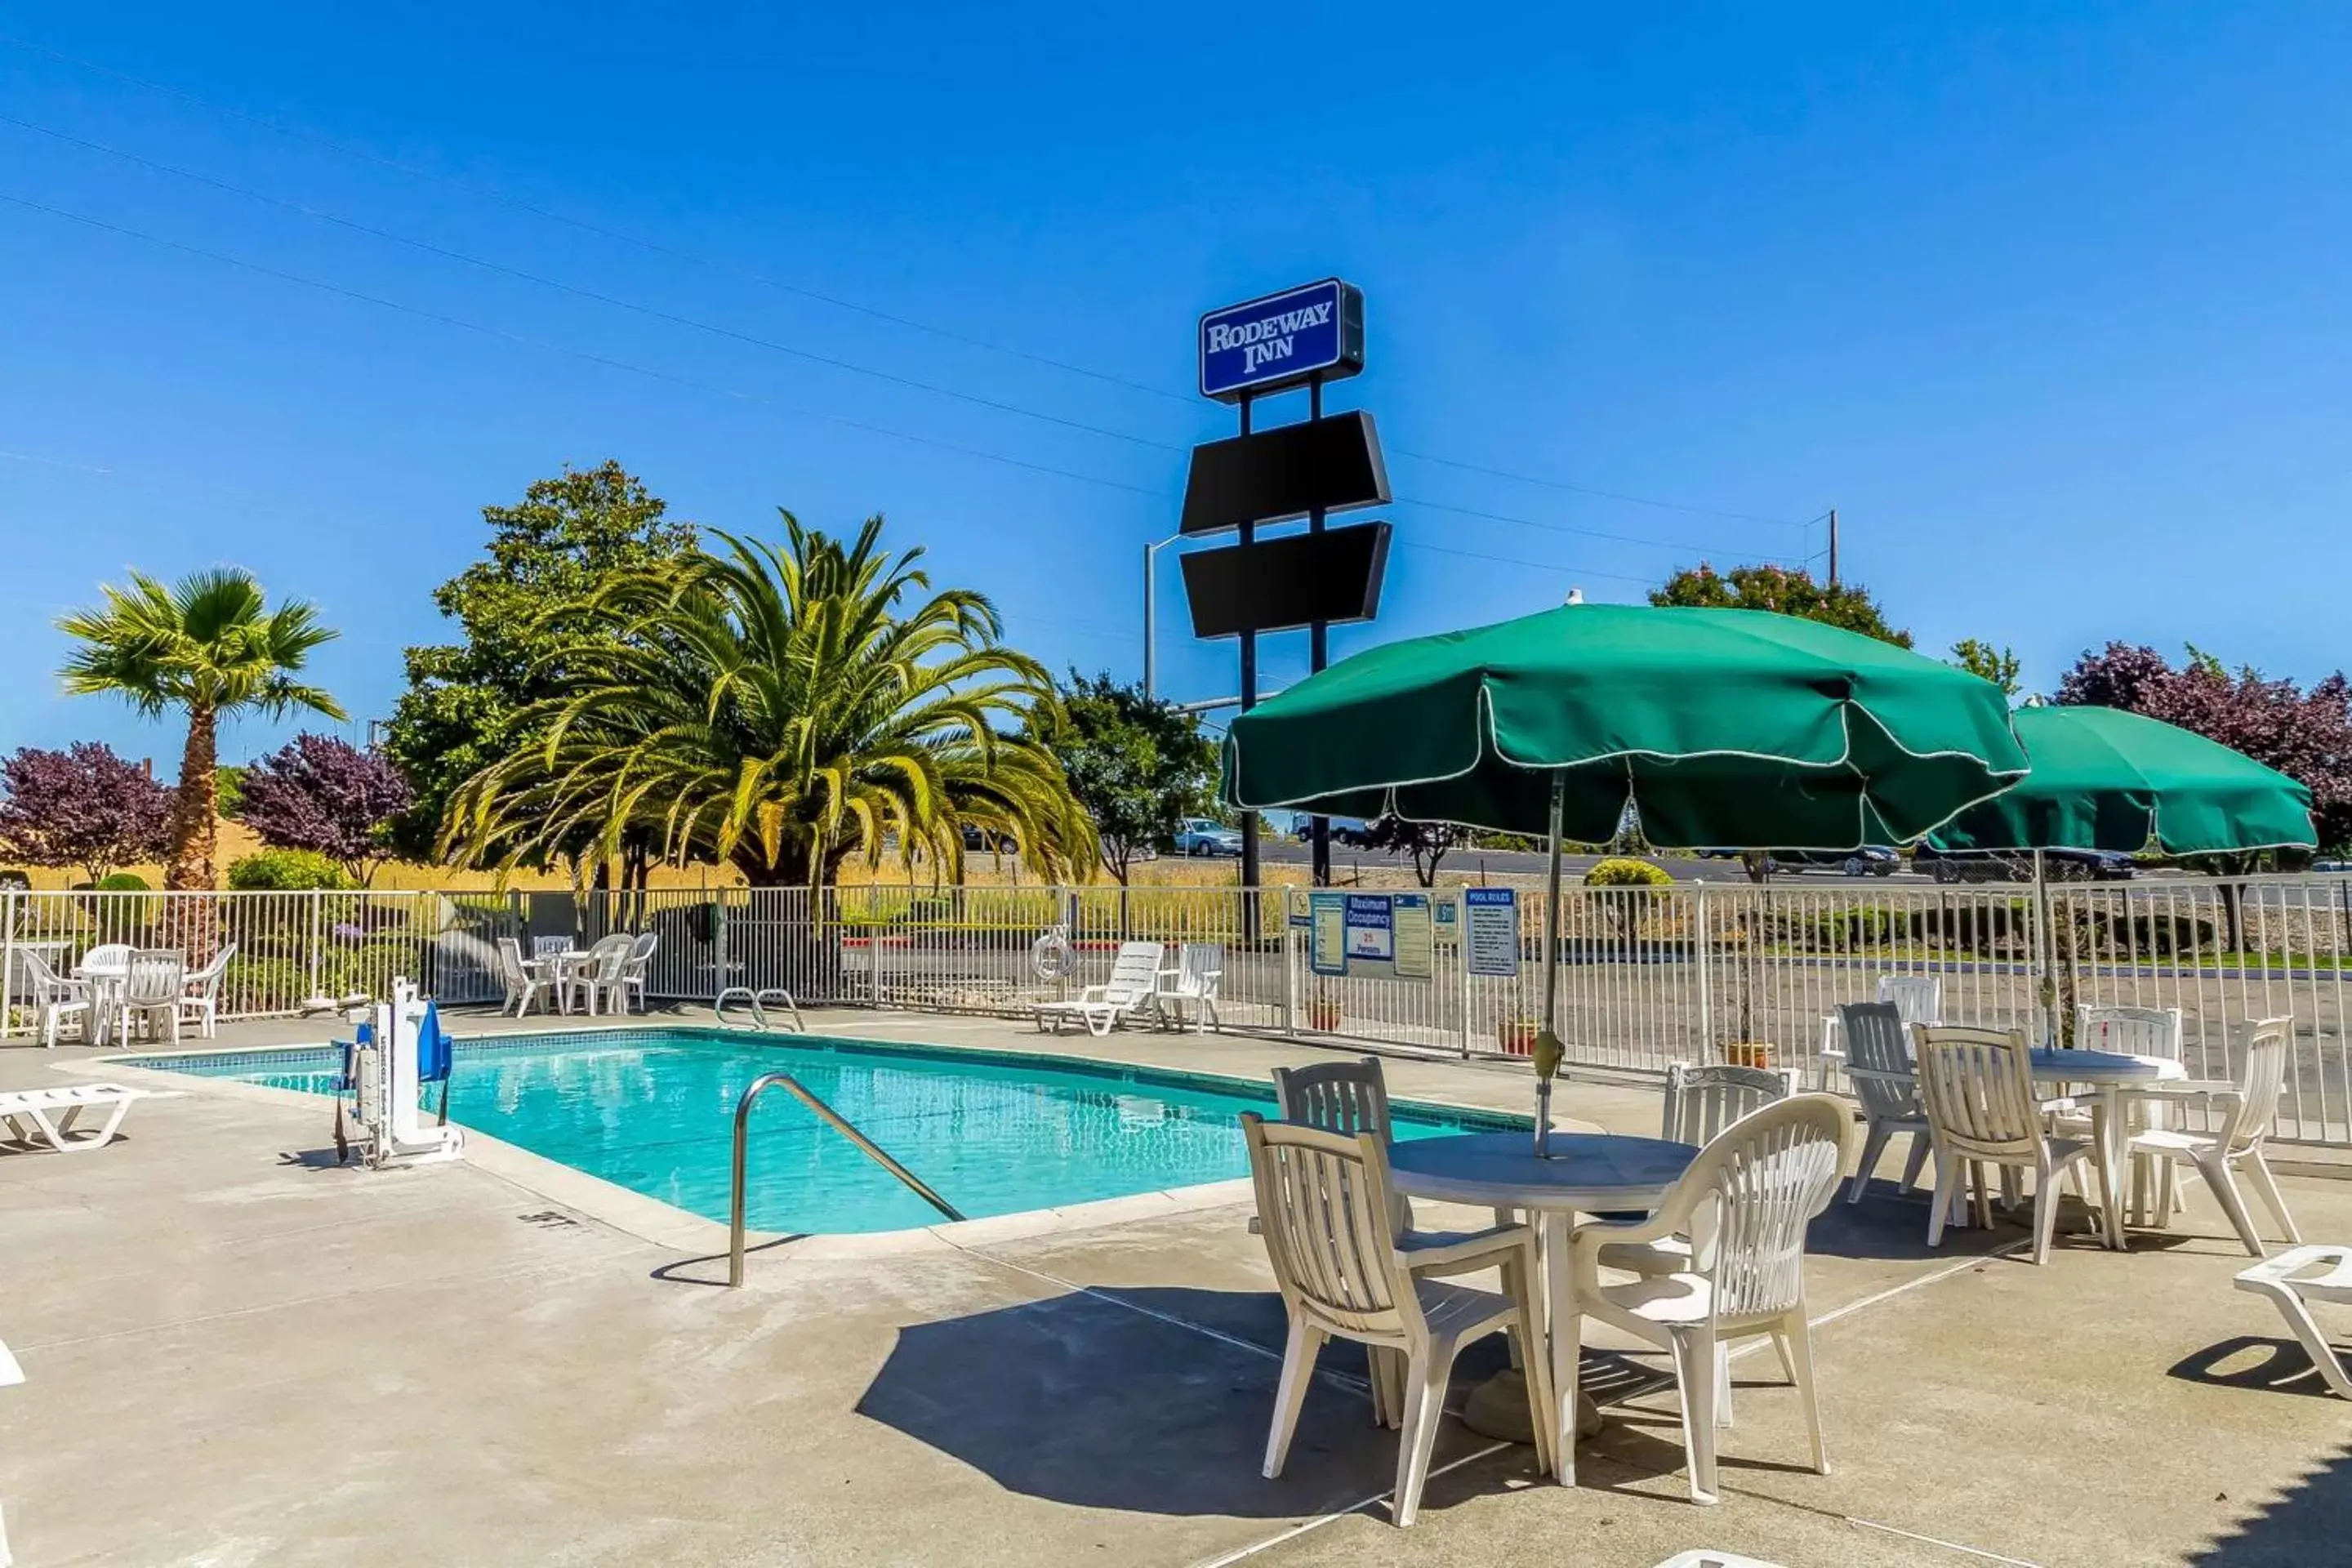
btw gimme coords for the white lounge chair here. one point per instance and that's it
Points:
(2296, 1278)
(200, 996)
(52, 1116)
(55, 998)
(1745, 1203)
(1200, 968)
(1132, 988)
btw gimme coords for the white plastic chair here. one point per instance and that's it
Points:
(1133, 985)
(1345, 1272)
(1200, 967)
(597, 979)
(1977, 1086)
(200, 997)
(1745, 1204)
(522, 982)
(1878, 1065)
(54, 998)
(550, 946)
(1701, 1102)
(2247, 1107)
(634, 972)
(1917, 999)
(2136, 1032)
(149, 998)
(2293, 1280)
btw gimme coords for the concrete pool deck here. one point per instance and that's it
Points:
(237, 1353)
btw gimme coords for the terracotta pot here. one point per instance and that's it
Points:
(1323, 1017)
(1518, 1036)
(1748, 1054)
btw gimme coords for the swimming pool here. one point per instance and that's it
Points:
(993, 1132)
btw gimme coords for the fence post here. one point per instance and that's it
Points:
(1702, 949)
(718, 947)
(7, 958)
(1461, 961)
(1289, 964)
(316, 944)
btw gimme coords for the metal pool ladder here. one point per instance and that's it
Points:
(754, 1000)
(832, 1118)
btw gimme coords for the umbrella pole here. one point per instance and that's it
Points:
(2048, 952)
(1552, 963)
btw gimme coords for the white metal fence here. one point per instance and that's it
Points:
(1648, 976)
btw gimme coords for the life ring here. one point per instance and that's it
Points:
(1050, 954)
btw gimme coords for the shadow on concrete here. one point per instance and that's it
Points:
(2265, 1365)
(1151, 1400)
(710, 1268)
(2308, 1523)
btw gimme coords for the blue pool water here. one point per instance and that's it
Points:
(652, 1109)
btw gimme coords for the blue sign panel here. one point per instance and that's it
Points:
(1283, 340)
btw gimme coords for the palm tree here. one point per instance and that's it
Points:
(208, 645)
(780, 708)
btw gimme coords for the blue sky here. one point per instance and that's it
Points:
(2048, 301)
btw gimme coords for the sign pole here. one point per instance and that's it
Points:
(1250, 875)
(1319, 653)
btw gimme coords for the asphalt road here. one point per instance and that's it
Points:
(1514, 862)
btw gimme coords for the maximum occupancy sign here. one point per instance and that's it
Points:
(1283, 340)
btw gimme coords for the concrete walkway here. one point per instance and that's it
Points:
(238, 1353)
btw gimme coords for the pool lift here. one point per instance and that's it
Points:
(399, 1048)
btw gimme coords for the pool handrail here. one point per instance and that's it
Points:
(831, 1118)
(754, 999)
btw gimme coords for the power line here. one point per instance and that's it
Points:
(585, 355)
(490, 194)
(655, 312)
(658, 248)
(1506, 560)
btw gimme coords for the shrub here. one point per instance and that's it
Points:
(1624, 871)
(123, 882)
(286, 870)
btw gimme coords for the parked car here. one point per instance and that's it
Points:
(1207, 836)
(2017, 865)
(1869, 860)
(1351, 832)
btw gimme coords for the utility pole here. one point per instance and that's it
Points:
(1833, 547)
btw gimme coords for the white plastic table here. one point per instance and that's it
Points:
(1586, 1173)
(2111, 1075)
(106, 981)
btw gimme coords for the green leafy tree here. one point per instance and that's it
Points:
(1427, 842)
(1137, 765)
(549, 555)
(209, 646)
(1783, 591)
(779, 709)
(1998, 665)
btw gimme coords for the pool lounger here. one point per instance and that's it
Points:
(35, 1116)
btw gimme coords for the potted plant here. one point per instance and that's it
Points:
(1747, 1054)
(1323, 1013)
(1517, 1036)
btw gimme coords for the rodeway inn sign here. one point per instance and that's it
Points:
(1283, 340)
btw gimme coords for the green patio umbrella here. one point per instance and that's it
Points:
(2105, 779)
(1740, 729)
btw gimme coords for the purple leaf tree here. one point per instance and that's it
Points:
(318, 792)
(82, 806)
